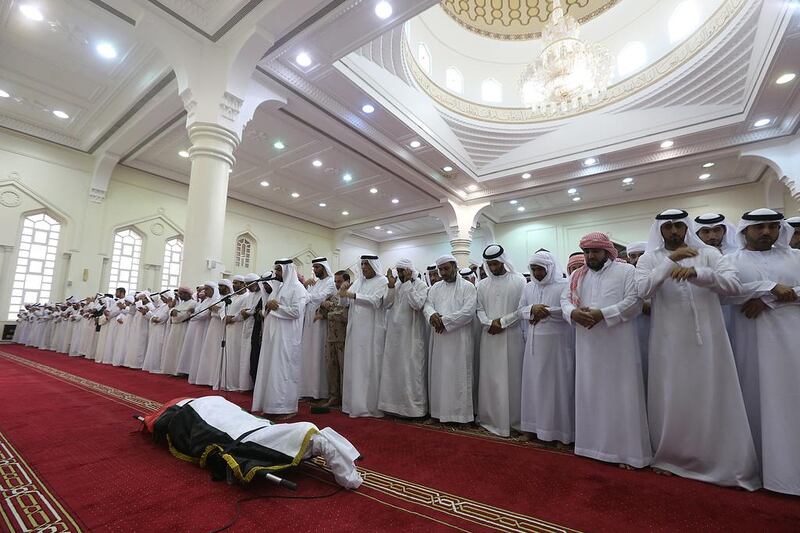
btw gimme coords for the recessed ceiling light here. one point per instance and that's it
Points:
(377, 227)
(472, 187)
(183, 153)
(761, 123)
(520, 209)
(60, 114)
(447, 168)
(389, 231)
(572, 191)
(627, 181)
(347, 177)
(708, 165)
(323, 204)
(513, 202)
(265, 184)
(32, 12)
(576, 199)
(383, 9)
(395, 201)
(317, 163)
(367, 108)
(785, 78)
(345, 213)
(667, 144)
(295, 195)
(303, 59)
(526, 176)
(415, 144)
(373, 190)
(590, 161)
(106, 50)
(4, 94)
(703, 177)
(278, 145)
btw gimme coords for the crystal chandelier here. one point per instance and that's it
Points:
(569, 74)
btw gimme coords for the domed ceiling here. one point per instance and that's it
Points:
(517, 19)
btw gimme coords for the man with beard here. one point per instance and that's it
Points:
(794, 242)
(698, 424)
(366, 337)
(767, 315)
(501, 343)
(433, 275)
(179, 316)
(610, 411)
(449, 310)
(335, 314)
(314, 380)
(548, 367)
(404, 370)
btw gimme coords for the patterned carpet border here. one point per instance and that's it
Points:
(450, 504)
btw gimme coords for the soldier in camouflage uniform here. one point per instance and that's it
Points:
(336, 315)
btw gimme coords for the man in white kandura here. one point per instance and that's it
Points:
(278, 378)
(548, 367)
(610, 410)
(698, 424)
(248, 316)
(635, 251)
(766, 318)
(233, 332)
(314, 377)
(178, 316)
(404, 372)
(794, 242)
(449, 310)
(364, 342)
(502, 343)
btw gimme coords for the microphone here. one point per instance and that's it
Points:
(272, 478)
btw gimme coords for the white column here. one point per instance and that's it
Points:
(212, 160)
(460, 223)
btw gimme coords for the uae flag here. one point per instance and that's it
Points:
(217, 434)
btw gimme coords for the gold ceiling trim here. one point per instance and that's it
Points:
(627, 87)
(518, 20)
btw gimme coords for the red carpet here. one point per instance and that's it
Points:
(436, 473)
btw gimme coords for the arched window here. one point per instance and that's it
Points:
(491, 91)
(424, 58)
(454, 80)
(36, 262)
(244, 252)
(125, 261)
(173, 257)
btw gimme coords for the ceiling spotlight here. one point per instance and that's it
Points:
(389, 231)
(520, 209)
(761, 123)
(395, 201)
(278, 145)
(345, 213)
(708, 165)
(32, 12)
(513, 202)
(703, 177)
(526, 176)
(295, 195)
(317, 163)
(786, 78)
(447, 168)
(4, 94)
(590, 161)
(347, 177)
(415, 144)
(627, 181)
(367, 108)
(323, 204)
(377, 227)
(383, 10)
(106, 50)
(265, 184)
(183, 153)
(572, 191)
(472, 187)
(60, 114)
(373, 190)
(303, 59)
(667, 144)
(576, 199)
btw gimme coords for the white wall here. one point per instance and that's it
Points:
(39, 176)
